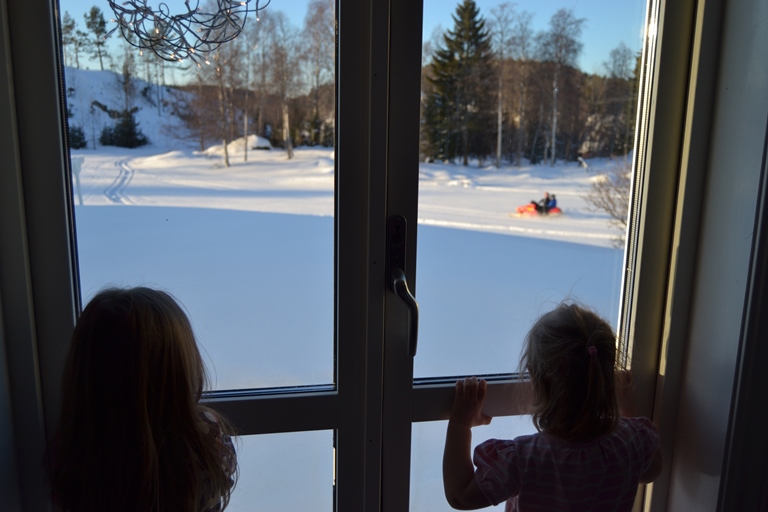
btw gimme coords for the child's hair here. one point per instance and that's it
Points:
(131, 436)
(570, 354)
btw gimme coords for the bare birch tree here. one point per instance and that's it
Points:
(610, 194)
(620, 67)
(560, 45)
(522, 51)
(226, 74)
(258, 36)
(283, 63)
(319, 37)
(501, 39)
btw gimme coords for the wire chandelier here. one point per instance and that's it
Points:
(190, 35)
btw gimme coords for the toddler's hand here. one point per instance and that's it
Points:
(623, 381)
(468, 400)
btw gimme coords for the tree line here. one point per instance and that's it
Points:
(274, 79)
(491, 89)
(494, 90)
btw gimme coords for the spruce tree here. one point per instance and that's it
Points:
(459, 106)
(125, 133)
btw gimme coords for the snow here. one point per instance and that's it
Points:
(248, 250)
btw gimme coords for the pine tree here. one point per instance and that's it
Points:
(95, 22)
(459, 107)
(68, 29)
(73, 40)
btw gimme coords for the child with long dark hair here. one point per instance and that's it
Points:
(587, 455)
(132, 435)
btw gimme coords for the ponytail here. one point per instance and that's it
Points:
(571, 354)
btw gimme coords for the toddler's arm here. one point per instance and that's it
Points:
(654, 471)
(461, 490)
(624, 394)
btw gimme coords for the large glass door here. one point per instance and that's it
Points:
(331, 375)
(279, 255)
(517, 103)
(354, 421)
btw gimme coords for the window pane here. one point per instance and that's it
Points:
(427, 443)
(213, 178)
(284, 472)
(543, 105)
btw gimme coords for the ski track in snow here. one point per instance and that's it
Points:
(115, 192)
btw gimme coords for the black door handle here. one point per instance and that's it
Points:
(396, 234)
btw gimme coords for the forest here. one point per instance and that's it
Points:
(493, 89)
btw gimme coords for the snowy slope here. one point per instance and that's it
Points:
(162, 127)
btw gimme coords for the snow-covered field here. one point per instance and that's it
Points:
(248, 250)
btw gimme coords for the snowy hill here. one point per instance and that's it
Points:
(155, 115)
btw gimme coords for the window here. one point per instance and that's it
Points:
(186, 178)
(370, 410)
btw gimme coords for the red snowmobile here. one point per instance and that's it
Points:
(533, 209)
(546, 206)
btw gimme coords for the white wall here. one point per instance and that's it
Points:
(725, 241)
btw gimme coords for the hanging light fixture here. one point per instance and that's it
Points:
(176, 37)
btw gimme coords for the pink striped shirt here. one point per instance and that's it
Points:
(541, 472)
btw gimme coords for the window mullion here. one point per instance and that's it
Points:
(403, 86)
(358, 295)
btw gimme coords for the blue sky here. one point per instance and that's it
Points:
(608, 22)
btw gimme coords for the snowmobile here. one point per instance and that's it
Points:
(531, 210)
